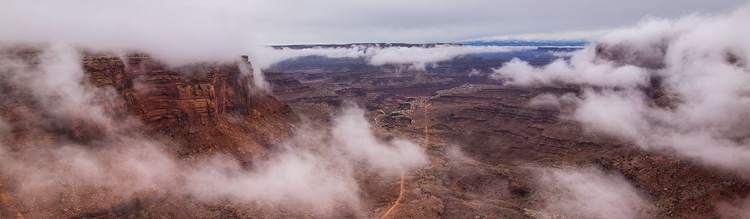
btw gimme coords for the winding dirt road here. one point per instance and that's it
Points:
(426, 143)
(398, 200)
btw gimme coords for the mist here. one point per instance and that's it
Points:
(176, 34)
(312, 172)
(420, 55)
(676, 86)
(589, 193)
(352, 131)
(191, 31)
(416, 57)
(316, 169)
(198, 31)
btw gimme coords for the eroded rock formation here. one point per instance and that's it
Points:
(203, 107)
(207, 106)
(109, 102)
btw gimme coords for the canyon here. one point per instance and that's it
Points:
(504, 139)
(487, 144)
(196, 111)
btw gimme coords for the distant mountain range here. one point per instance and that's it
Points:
(521, 42)
(350, 45)
(508, 42)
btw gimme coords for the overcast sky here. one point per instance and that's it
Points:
(453, 20)
(339, 21)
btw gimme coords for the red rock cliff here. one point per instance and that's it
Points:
(203, 108)
(206, 106)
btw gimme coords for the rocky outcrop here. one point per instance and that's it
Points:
(206, 106)
(281, 84)
(195, 95)
(203, 107)
(123, 103)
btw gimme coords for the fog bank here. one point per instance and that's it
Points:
(676, 86)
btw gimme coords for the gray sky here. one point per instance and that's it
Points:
(342, 21)
(452, 20)
(333, 21)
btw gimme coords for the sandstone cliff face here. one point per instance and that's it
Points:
(203, 108)
(207, 107)
(167, 97)
(108, 107)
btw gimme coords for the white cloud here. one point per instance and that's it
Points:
(314, 173)
(590, 193)
(416, 57)
(702, 63)
(552, 101)
(407, 55)
(354, 133)
(178, 33)
(580, 69)
(191, 31)
(272, 56)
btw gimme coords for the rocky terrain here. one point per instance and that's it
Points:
(207, 106)
(488, 142)
(374, 109)
(196, 110)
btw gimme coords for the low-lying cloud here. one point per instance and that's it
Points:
(316, 170)
(668, 85)
(352, 131)
(416, 56)
(313, 172)
(590, 193)
(177, 34)
(191, 31)
(404, 55)
(580, 69)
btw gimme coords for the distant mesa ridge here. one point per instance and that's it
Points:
(508, 42)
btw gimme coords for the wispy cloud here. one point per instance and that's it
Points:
(377, 56)
(590, 193)
(669, 84)
(315, 168)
